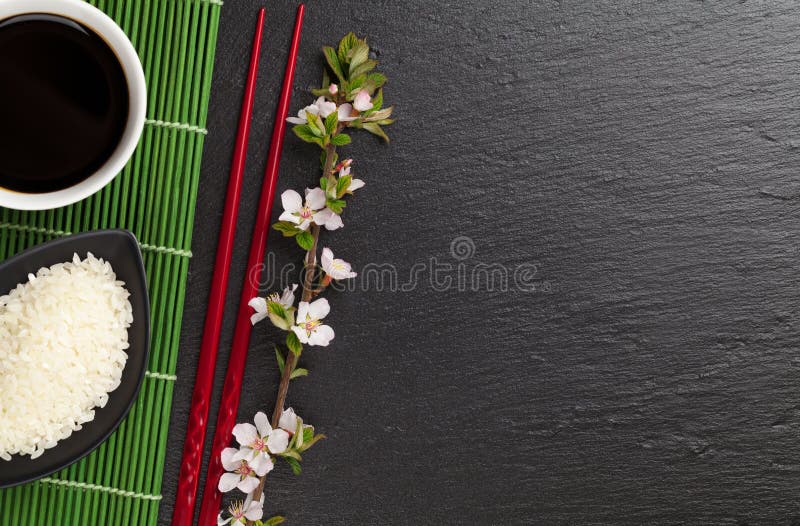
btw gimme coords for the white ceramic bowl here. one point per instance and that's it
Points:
(106, 28)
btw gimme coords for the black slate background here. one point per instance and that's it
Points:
(639, 160)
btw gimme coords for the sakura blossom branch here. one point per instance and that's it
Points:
(354, 101)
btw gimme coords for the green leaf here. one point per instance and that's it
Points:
(336, 205)
(315, 124)
(326, 79)
(304, 132)
(348, 42)
(279, 316)
(305, 240)
(308, 434)
(341, 139)
(296, 469)
(308, 443)
(280, 358)
(293, 343)
(342, 184)
(290, 453)
(297, 438)
(330, 122)
(356, 83)
(377, 102)
(377, 79)
(363, 68)
(358, 56)
(297, 373)
(323, 182)
(274, 521)
(333, 62)
(287, 228)
(380, 115)
(276, 308)
(375, 129)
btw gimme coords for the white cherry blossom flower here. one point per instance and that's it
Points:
(302, 213)
(309, 328)
(321, 107)
(355, 184)
(286, 299)
(336, 268)
(260, 439)
(243, 471)
(261, 309)
(329, 219)
(362, 102)
(288, 421)
(241, 512)
(345, 112)
(344, 167)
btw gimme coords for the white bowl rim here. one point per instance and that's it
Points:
(93, 18)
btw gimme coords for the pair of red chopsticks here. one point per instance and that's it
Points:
(183, 513)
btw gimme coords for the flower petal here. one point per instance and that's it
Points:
(322, 217)
(254, 512)
(302, 335)
(261, 464)
(248, 484)
(319, 309)
(355, 184)
(258, 304)
(227, 458)
(302, 311)
(296, 120)
(245, 454)
(345, 112)
(315, 198)
(262, 424)
(362, 102)
(245, 434)
(325, 107)
(326, 259)
(288, 420)
(322, 336)
(278, 441)
(287, 298)
(221, 521)
(291, 201)
(227, 482)
(334, 222)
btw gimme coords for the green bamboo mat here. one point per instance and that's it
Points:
(154, 197)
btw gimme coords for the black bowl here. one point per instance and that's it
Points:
(120, 248)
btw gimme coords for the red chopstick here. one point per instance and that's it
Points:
(185, 498)
(231, 391)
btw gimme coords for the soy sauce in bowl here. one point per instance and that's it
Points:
(63, 102)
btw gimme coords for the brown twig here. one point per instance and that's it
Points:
(308, 293)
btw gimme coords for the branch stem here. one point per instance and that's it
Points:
(308, 293)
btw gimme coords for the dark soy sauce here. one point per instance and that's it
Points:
(63, 102)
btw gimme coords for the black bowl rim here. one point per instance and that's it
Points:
(146, 300)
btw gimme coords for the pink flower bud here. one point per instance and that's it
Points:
(333, 89)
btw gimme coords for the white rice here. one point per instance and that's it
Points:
(63, 337)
